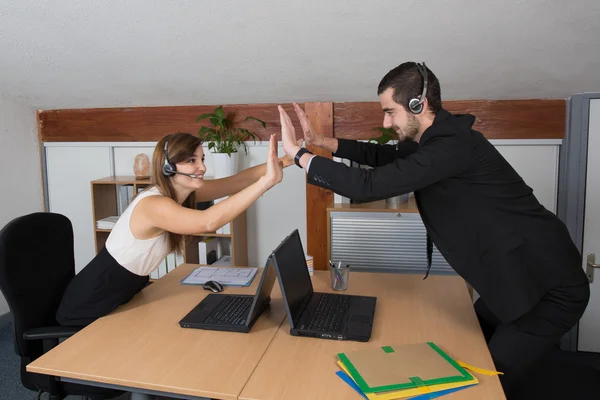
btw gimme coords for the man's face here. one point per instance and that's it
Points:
(396, 117)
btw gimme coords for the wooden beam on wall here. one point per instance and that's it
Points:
(149, 124)
(318, 199)
(498, 119)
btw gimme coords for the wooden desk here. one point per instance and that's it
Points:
(141, 347)
(408, 310)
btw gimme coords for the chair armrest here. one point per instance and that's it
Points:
(50, 332)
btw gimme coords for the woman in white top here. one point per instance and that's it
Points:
(156, 222)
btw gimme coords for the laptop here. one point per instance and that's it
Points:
(314, 314)
(232, 312)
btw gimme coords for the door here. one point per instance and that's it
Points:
(589, 326)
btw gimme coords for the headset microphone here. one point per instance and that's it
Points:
(190, 175)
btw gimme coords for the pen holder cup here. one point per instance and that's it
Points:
(339, 277)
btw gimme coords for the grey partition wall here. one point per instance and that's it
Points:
(572, 178)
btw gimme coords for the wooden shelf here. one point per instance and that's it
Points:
(122, 180)
(104, 204)
(377, 206)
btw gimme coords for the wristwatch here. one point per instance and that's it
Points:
(299, 154)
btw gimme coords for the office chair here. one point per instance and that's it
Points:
(36, 264)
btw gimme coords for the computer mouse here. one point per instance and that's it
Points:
(214, 286)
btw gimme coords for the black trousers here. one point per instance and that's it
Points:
(98, 289)
(517, 347)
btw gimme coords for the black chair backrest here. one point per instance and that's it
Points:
(37, 263)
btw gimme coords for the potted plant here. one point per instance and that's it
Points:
(388, 134)
(224, 140)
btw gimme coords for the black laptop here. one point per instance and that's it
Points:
(232, 312)
(321, 315)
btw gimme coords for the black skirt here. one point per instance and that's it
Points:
(98, 289)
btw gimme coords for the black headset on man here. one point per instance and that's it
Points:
(415, 105)
(169, 169)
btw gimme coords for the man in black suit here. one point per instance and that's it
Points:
(477, 210)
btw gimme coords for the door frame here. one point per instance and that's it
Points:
(572, 175)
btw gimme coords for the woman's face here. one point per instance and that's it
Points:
(195, 166)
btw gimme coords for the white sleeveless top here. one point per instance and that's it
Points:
(140, 256)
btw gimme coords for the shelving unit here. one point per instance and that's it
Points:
(105, 203)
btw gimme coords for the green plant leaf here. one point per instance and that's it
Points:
(219, 112)
(243, 133)
(212, 136)
(247, 135)
(226, 123)
(223, 138)
(387, 134)
(204, 130)
(263, 123)
(204, 116)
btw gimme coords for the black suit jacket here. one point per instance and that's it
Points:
(478, 211)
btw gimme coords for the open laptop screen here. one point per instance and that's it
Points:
(266, 286)
(293, 273)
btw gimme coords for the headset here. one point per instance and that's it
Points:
(169, 169)
(415, 105)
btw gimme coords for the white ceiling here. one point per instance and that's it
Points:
(71, 54)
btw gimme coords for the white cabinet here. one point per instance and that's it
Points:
(382, 241)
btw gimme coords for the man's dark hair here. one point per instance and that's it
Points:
(407, 82)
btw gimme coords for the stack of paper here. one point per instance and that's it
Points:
(225, 276)
(224, 261)
(416, 371)
(107, 223)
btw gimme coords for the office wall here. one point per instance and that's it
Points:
(535, 160)
(276, 214)
(20, 179)
(69, 172)
(269, 219)
(537, 163)
(273, 216)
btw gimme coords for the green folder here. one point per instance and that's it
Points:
(402, 367)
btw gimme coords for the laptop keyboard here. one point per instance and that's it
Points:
(234, 312)
(329, 313)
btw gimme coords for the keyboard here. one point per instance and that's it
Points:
(329, 313)
(233, 312)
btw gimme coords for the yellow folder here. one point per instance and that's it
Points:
(400, 367)
(401, 394)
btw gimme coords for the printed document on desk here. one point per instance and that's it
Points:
(226, 276)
